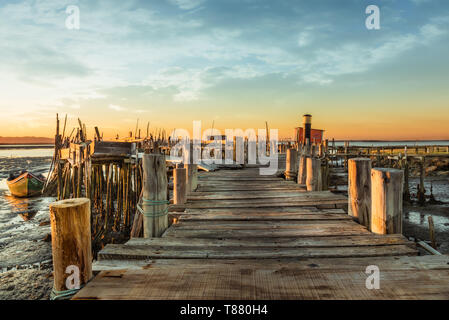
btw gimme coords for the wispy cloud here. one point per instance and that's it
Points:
(116, 107)
(187, 4)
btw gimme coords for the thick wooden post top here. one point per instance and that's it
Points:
(69, 203)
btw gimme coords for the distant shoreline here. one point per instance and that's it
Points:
(26, 146)
(356, 140)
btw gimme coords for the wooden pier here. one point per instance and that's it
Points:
(246, 236)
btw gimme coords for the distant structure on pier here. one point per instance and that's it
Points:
(315, 136)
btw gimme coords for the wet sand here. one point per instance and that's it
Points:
(26, 285)
(415, 222)
(25, 250)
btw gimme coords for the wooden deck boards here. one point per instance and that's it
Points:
(245, 236)
(258, 279)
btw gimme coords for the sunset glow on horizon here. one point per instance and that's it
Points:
(234, 63)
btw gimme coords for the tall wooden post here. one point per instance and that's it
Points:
(179, 186)
(346, 153)
(314, 179)
(239, 150)
(71, 245)
(191, 171)
(359, 190)
(386, 199)
(432, 232)
(320, 150)
(191, 177)
(421, 188)
(291, 170)
(154, 202)
(405, 166)
(313, 151)
(325, 175)
(302, 171)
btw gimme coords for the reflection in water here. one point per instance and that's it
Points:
(27, 208)
(421, 219)
(21, 206)
(14, 210)
(28, 215)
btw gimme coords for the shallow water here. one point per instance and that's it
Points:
(25, 153)
(21, 242)
(441, 223)
(9, 205)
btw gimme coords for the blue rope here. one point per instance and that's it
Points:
(153, 203)
(63, 295)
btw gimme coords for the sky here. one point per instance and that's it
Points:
(237, 63)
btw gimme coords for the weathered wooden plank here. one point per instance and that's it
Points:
(246, 195)
(335, 241)
(267, 233)
(291, 193)
(275, 216)
(253, 187)
(265, 225)
(259, 210)
(130, 252)
(259, 280)
(242, 184)
(334, 264)
(238, 177)
(251, 211)
(261, 203)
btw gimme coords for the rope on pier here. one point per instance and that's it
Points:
(147, 213)
(65, 294)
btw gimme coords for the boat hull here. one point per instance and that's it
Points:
(25, 185)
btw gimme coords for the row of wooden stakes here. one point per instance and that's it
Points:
(308, 167)
(375, 195)
(71, 219)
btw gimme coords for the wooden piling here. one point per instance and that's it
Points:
(406, 167)
(191, 177)
(179, 186)
(386, 199)
(313, 181)
(71, 243)
(302, 172)
(432, 232)
(421, 188)
(291, 170)
(154, 206)
(359, 190)
(325, 175)
(346, 145)
(191, 171)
